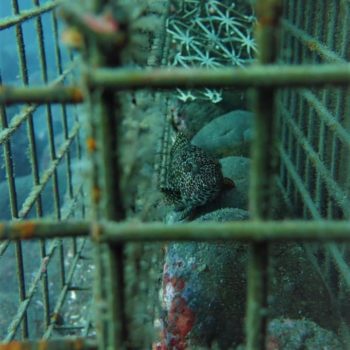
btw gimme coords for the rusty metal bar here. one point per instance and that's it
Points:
(106, 198)
(262, 176)
(18, 119)
(40, 94)
(114, 232)
(58, 344)
(39, 229)
(255, 76)
(252, 76)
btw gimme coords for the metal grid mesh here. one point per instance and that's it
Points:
(315, 137)
(41, 152)
(309, 178)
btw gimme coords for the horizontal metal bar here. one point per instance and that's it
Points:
(311, 43)
(40, 94)
(58, 344)
(23, 115)
(247, 231)
(35, 229)
(253, 76)
(28, 14)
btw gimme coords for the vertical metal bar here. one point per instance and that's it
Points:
(333, 212)
(295, 106)
(308, 114)
(19, 252)
(43, 253)
(14, 214)
(327, 36)
(106, 203)
(43, 63)
(59, 67)
(337, 148)
(263, 173)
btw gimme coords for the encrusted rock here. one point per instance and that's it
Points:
(229, 134)
(203, 291)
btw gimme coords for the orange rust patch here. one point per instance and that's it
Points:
(312, 45)
(91, 144)
(78, 344)
(77, 95)
(14, 345)
(269, 12)
(26, 230)
(96, 232)
(96, 194)
(43, 345)
(267, 21)
(2, 230)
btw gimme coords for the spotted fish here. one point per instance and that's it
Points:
(194, 176)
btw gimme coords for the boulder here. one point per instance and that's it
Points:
(203, 290)
(229, 134)
(291, 334)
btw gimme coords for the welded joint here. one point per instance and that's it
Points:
(96, 232)
(269, 12)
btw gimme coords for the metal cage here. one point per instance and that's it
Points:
(299, 153)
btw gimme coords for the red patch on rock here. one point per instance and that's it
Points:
(179, 317)
(181, 320)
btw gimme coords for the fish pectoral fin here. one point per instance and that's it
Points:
(228, 184)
